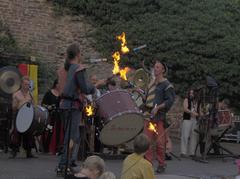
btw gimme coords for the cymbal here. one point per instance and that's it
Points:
(141, 79)
(10, 80)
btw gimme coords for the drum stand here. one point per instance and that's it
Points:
(215, 142)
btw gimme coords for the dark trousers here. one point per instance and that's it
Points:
(17, 139)
(24, 139)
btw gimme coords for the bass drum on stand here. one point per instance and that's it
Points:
(121, 118)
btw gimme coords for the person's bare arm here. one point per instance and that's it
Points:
(185, 108)
(14, 102)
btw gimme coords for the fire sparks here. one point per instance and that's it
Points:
(89, 110)
(116, 57)
(152, 127)
(124, 48)
(123, 73)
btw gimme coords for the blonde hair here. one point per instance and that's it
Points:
(25, 78)
(107, 175)
(94, 163)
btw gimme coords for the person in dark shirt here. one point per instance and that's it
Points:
(52, 139)
(189, 125)
(160, 97)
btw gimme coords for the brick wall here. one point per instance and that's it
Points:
(45, 35)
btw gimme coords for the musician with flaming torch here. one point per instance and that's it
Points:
(159, 99)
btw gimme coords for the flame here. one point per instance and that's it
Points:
(124, 48)
(152, 127)
(123, 73)
(116, 58)
(89, 110)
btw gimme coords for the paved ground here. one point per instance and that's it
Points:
(43, 167)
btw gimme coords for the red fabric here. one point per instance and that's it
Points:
(160, 139)
(23, 68)
(14, 137)
(62, 78)
(53, 143)
(238, 165)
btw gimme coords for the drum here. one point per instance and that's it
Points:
(120, 116)
(224, 121)
(136, 96)
(31, 119)
(224, 118)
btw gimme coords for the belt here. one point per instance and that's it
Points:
(70, 98)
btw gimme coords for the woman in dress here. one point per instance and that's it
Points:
(52, 138)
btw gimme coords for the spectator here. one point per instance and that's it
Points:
(93, 167)
(135, 166)
(107, 175)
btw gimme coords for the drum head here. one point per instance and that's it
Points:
(24, 117)
(122, 128)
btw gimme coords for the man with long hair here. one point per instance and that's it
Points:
(75, 85)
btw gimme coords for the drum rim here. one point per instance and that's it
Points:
(122, 142)
(113, 91)
(116, 115)
(46, 110)
(24, 104)
(125, 112)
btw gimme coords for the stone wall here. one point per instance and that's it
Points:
(45, 35)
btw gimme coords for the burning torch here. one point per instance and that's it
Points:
(89, 112)
(152, 127)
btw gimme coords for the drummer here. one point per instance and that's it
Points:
(111, 85)
(19, 98)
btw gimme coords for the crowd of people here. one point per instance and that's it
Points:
(65, 103)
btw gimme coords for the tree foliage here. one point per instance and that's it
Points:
(7, 42)
(195, 38)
